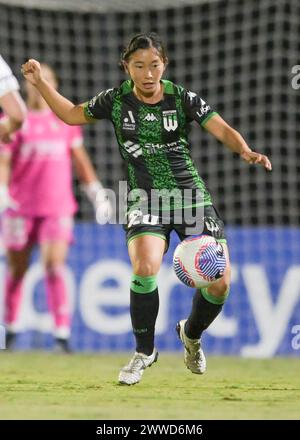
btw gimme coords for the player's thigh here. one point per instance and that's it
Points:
(55, 237)
(222, 286)
(146, 254)
(17, 231)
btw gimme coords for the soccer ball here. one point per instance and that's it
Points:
(199, 261)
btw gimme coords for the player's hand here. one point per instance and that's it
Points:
(257, 158)
(103, 209)
(99, 198)
(6, 201)
(32, 71)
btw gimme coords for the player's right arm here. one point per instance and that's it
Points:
(68, 112)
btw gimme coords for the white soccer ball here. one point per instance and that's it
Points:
(199, 261)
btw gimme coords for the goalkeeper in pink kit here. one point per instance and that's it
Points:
(38, 206)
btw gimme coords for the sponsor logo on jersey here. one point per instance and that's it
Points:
(170, 120)
(134, 149)
(168, 147)
(129, 121)
(191, 95)
(204, 109)
(150, 117)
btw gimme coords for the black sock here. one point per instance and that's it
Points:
(10, 339)
(143, 311)
(202, 315)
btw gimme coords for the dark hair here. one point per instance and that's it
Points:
(144, 41)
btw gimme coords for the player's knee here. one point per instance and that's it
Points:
(53, 269)
(17, 272)
(145, 268)
(17, 269)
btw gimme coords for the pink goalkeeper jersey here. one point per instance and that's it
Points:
(41, 168)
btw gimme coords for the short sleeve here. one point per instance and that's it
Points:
(196, 108)
(8, 82)
(76, 136)
(100, 106)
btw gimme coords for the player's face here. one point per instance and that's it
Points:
(145, 68)
(49, 76)
(32, 92)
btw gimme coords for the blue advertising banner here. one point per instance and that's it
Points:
(260, 319)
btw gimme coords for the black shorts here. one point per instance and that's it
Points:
(206, 221)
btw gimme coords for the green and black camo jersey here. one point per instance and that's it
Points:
(153, 138)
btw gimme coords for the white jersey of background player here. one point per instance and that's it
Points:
(14, 110)
(10, 101)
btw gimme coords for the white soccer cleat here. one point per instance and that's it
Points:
(133, 372)
(194, 357)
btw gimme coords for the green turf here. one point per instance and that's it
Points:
(39, 385)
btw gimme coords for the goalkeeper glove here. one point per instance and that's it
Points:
(99, 198)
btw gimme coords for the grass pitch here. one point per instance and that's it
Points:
(48, 386)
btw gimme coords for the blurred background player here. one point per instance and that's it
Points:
(13, 107)
(36, 168)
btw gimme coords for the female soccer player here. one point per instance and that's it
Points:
(151, 117)
(35, 170)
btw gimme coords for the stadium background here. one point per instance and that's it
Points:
(239, 55)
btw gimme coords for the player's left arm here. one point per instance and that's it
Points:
(234, 141)
(83, 165)
(91, 185)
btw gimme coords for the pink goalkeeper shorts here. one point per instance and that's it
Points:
(19, 231)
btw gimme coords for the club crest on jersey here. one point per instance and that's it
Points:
(170, 120)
